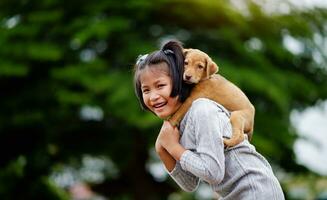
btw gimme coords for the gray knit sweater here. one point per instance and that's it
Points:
(236, 173)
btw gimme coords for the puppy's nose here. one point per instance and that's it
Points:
(187, 77)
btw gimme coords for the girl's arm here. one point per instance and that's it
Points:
(169, 136)
(207, 160)
(165, 157)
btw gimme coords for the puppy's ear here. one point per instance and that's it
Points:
(185, 51)
(212, 67)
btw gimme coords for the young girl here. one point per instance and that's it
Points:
(196, 151)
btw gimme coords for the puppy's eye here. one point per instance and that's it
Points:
(185, 63)
(200, 66)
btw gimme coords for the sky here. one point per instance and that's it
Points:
(311, 147)
(309, 3)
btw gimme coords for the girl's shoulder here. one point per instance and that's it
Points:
(207, 114)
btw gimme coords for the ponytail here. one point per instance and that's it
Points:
(174, 52)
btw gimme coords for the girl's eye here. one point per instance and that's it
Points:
(161, 85)
(145, 90)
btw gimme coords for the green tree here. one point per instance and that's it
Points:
(58, 58)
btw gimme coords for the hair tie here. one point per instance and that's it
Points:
(168, 51)
(141, 58)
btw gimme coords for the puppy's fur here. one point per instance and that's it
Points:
(201, 71)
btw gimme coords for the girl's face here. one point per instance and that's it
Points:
(156, 86)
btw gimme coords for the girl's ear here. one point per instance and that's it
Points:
(212, 67)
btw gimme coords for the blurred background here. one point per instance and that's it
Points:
(71, 126)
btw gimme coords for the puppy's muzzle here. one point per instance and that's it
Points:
(187, 78)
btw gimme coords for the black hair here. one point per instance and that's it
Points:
(170, 53)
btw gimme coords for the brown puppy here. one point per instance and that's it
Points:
(201, 71)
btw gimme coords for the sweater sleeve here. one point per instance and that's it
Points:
(207, 161)
(187, 181)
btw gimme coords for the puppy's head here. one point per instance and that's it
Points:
(198, 66)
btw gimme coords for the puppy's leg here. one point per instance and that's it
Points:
(237, 120)
(249, 122)
(248, 129)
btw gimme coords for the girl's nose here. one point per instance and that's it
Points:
(154, 96)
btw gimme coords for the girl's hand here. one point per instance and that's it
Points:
(168, 138)
(169, 135)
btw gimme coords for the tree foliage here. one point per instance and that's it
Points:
(58, 58)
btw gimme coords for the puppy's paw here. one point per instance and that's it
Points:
(234, 140)
(173, 122)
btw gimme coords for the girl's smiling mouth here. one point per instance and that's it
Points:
(159, 105)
